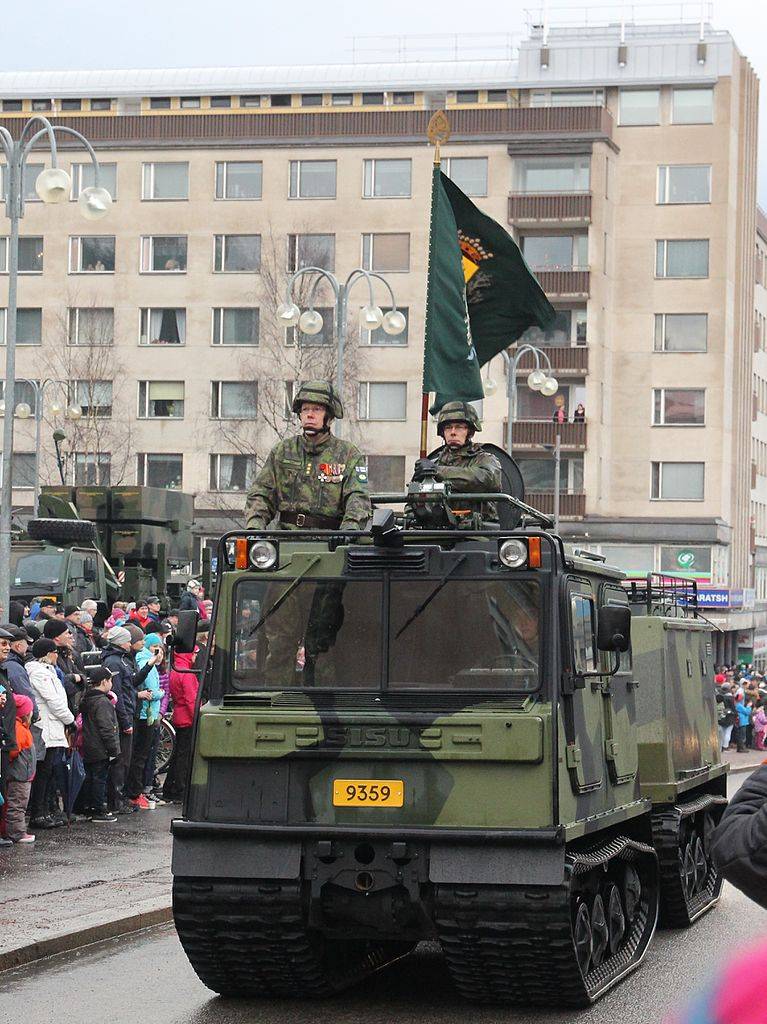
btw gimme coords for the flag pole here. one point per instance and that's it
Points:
(437, 132)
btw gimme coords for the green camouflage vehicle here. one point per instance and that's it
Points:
(444, 734)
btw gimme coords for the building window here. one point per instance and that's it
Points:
(160, 470)
(678, 481)
(386, 253)
(556, 252)
(237, 254)
(159, 102)
(311, 251)
(312, 179)
(639, 106)
(342, 99)
(386, 473)
(250, 101)
(84, 176)
(386, 179)
(567, 98)
(403, 99)
(239, 179)
(692, 106)
(163, 254)
(31, 174)
(379, 337)
(568, 328)
(190, 102)
(235, 326)
(91, 326)
(325, 336)
(233, 400)
(687, 560)
(382, 401)
(232, 472)
(12, 106)
(282, 100)
(30, 255)
(161, 399)
(29, 325)
(162, 327)
(681, 258)
(70, 105)
(168, 180)
(23, 392)
(539, 474)
(41, 104)
(681, 332)
(680, 183)
(220, 102)
(101, 104)
(679, 407)
(92, 254)
(93, 396)
(311, 99)
(467, 96)
(497, 96)
(551, 174)
(372, 99)
(23, 466)
(468, 172)
(93, 469)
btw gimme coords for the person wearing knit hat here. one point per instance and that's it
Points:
(15, 663)
(54, 628)
(69, 662)
(148, 717)
(119, 635)
(21, 771)
(42, 647)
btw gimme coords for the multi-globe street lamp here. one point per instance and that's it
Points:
(53, 185)
(537, 380)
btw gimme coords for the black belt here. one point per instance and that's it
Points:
(310, 522)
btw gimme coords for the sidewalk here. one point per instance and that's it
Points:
(84, 883)
(748, 762)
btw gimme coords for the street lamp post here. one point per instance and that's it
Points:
(537, 380)
(53, 185)
(310, 321)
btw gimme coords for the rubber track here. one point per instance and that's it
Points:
(248, 938)
(676, 911)
(515, 946)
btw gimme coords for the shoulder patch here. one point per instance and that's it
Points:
(361, 473)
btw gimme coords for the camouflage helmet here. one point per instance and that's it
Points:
(457, 412)
(323, 393)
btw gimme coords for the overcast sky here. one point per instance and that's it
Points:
(183, 33)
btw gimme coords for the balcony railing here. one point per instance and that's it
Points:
(531, 433)
(564, 359)
(571, 506)
(564, 282)
(560, 207)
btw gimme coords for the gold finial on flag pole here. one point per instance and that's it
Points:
(438, 131)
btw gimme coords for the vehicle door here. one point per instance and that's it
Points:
(582, 697)
(619, 704)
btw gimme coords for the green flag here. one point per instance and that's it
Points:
(450, 365)
(502, 294)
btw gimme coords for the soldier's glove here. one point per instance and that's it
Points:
(425, 468)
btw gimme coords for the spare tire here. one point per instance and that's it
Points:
(62, 531)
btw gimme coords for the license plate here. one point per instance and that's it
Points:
(368, 793)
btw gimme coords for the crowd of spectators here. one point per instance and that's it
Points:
(741, 705)
(71, 686)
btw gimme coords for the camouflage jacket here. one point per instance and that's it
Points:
(470, 469)
(322, 477)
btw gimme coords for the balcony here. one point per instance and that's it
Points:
(531, 209)
(535, 433)
(564, 359)
(564, 282)
(571, 506)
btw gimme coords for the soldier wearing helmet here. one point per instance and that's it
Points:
(314, 480)
(461, 463)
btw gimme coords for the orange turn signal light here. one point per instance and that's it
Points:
(241, 553)
(534, 552)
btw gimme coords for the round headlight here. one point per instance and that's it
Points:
(513, 553)
(263, 554)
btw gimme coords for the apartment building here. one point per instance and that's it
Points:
(624, 163)
(759, 444)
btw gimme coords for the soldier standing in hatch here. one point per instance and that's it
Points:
(461, 463)
(313, 481)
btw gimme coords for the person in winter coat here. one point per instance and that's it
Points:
(191, 596)
(744, 722)
(147, 719)
(81, 642)
(739, 842)
(69, 667)
(184, 685)
(15, 664)
(21, 772)
(140, 614)
(760, 725)
(100, 743)
(7, 716)
(118, 616)
(55, 715)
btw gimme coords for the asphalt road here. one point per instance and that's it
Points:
(146, 978)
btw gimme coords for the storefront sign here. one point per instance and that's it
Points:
(714, 598)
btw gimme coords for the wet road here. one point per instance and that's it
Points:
(146, 978)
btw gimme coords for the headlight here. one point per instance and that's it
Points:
(513, 553)
(263, 554)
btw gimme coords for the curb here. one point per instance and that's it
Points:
(86, 936)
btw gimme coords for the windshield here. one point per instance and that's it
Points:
(38, 569)
(452, 634)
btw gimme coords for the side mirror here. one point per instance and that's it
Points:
(614, 628)
(185, 636)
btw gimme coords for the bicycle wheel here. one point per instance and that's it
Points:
(164, 747)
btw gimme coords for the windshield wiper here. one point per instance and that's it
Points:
(427, 601)
(284, 596)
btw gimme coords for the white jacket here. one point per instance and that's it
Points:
(52, 702)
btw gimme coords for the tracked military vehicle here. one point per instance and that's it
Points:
(455, 734)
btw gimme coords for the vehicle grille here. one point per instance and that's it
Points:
(372, 561)
(395, 702)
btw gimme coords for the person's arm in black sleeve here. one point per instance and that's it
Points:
(739, 843)
(141, 675)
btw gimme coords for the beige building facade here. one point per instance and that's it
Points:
(625, 169)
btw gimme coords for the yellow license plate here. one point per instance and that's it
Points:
(368, 793)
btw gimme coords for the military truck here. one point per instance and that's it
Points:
(102, 543)
(455, 734)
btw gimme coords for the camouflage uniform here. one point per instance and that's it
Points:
(468, 469)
